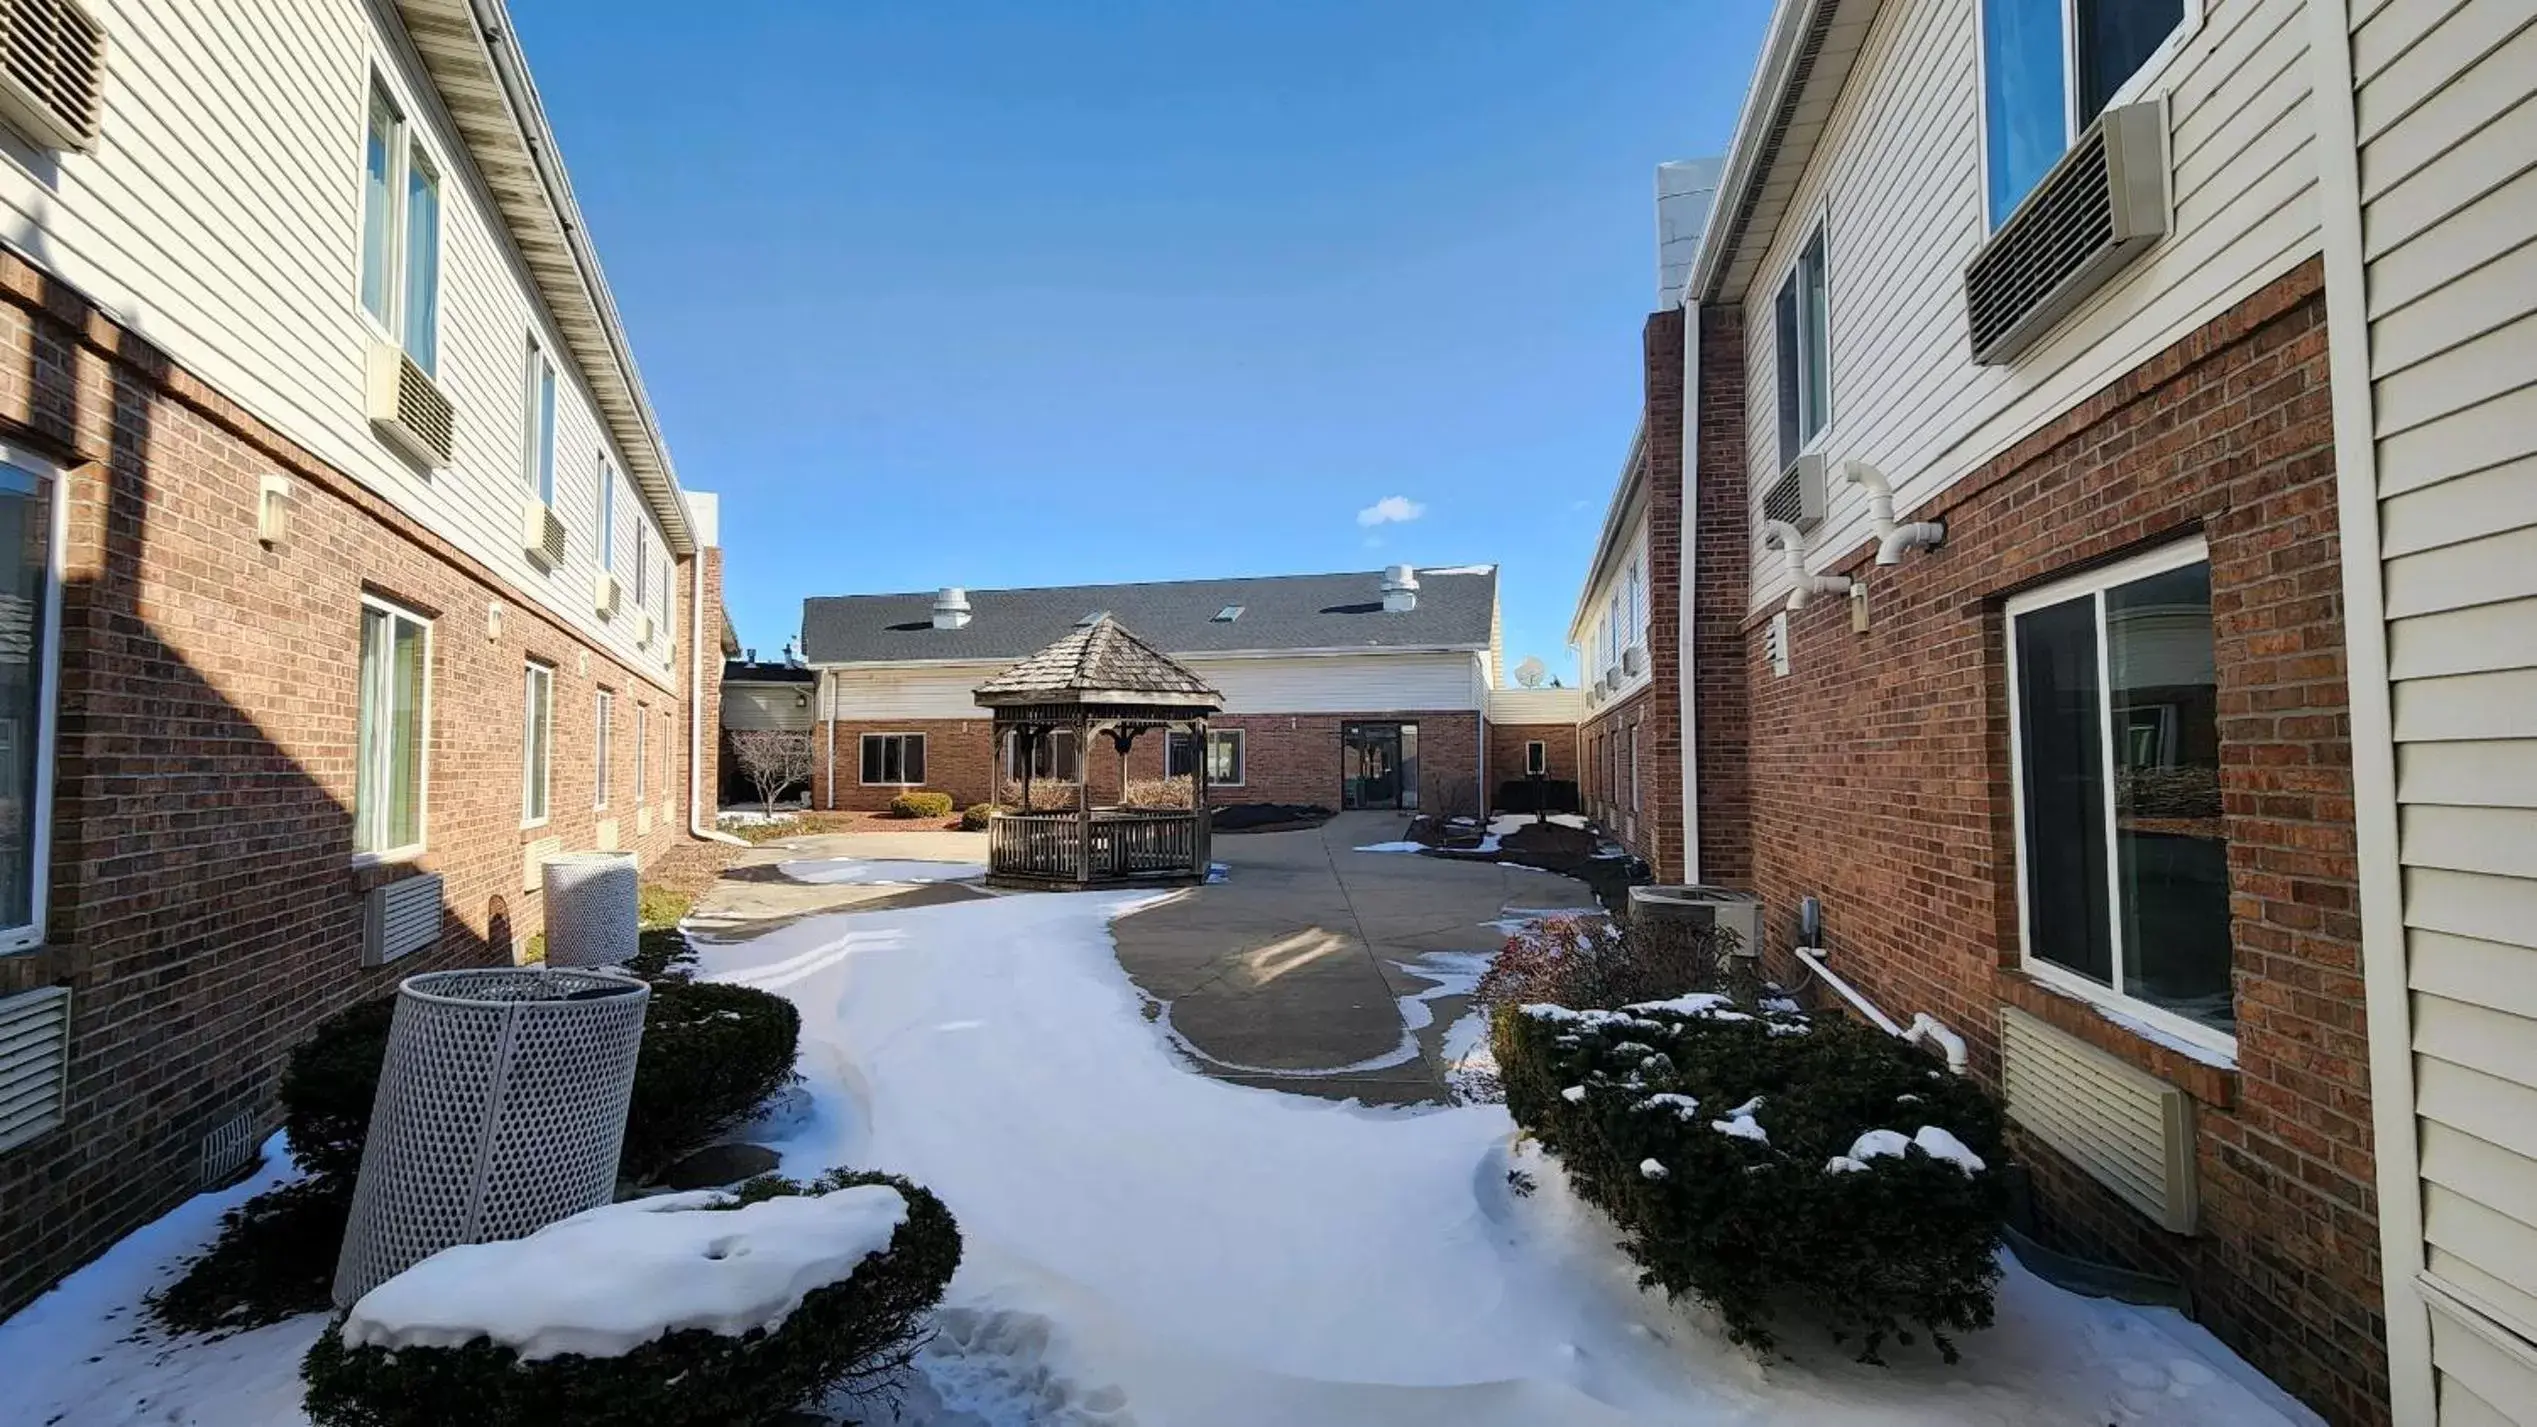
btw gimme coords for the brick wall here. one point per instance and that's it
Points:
(959, 760)
(1719, 587)
(1879, 781)
(1506, 752)
(204, 909)
(1621, 744)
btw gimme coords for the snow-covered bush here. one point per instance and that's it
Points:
(921, 805)
(1594, 962)
(1754, 1158)
(711, 1055)
(689, 1310)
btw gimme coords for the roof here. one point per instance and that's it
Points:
(467, 46)
(1101, 663)
(1620, 516)
(741, 671)
(1456, 605)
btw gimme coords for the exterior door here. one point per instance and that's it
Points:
(1378, 765)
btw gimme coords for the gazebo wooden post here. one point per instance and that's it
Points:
(1083, 797)
(1198, 830)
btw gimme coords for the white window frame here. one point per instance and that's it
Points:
(1819, 234)
(403, 153)
(1536, 757)
(423, 792)
(642, 753)
(642, 559)
(543, 783)
(603, 717)
(48, 696)
(2146, 80)
(608, 515)
(901, 782)
(1045, 742)
(1241, 755)
(538, 430)
(2093, 584)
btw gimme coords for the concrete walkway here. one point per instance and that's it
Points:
(1287, 973)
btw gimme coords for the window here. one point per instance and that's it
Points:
(642, 752)
(1052, 756)
(1228, 614)
(604, 721)
(387, 800)
(894, 758)
(1635, 607)
(1224, 757)
(608, 520)
(2049, 68)
(669, 751)
(1629, 760)
(400, 234)
(642, 562)
(2123, 868)
(1804, 320)
(30, 593)
(541, 424)
(1536, 757)
(537, 736)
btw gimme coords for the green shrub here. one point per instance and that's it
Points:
(275, 1259)
(857, 1336)
(327, 1087)
(1903, 1239)
(711, 1055)
(662, 954)
(921, 805)
(658, 906)
(976, 816)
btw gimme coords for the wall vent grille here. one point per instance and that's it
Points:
(52, 62)
(1798, 495)
(400, 918)
(407, 408)
(2099, 207)
(541, 533)
(2130, 1130)
(228, 1149)
(34, 1063)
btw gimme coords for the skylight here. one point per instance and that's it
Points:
(1228, 614)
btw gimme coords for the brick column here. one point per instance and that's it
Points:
(1719, 587)
(1660, 745)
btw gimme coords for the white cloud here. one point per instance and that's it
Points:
(1390, 509)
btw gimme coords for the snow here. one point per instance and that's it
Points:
(1574, 1095)
(1455, 569)
(604, 1282)
(1651, 1168)
(1936, 1141)
(859, 872)
(1939, 1143)
(1394, 847)
(1685, 1108)
(1698, 1003)
(1388, 1266)
(1743, 1127)
(1877, 1143)
(1844, 1164)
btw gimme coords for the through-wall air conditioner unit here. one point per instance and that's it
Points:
(642, 628)
(1634, 659)
(2130, 1130)
(2095, 211)
(52, 66)
(34, 1063)
(606, 595)
(541, 533)
(399, 919)
(406, 408)
(1798, 495)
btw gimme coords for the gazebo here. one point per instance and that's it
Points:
(1100, 679)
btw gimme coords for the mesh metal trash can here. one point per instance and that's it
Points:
(501, 1109)
(590, 909)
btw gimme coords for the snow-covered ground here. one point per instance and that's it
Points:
(1147, 1245)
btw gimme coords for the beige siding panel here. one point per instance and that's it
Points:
(1899, 174)
(2467, 374)
(2508, 1302)
(2479, 301)
(2500, 909)
(2384, 36)
(2461, 1408)
(2495, 705)
(2500, 841)
(1346, 683)
(2405, 265)
(2496, 1111)
(753, 706)
(2395, 204)
(2494, 34)
(2491, 775)
(934, 691)
(2482, 571)
(2466, 1359)
(2470, 440)
(2500, 1248)
(2460, 1160)
(2481, 973)
(2488, 636)
(2496, 1043)
(2503, 497)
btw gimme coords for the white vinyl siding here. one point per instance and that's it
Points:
(1621, 612)
(1298, 683)
(2447, 131)
(220, 213)
(1901, 156)
(777, 706)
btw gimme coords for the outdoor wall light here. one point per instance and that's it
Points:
(272, 510)
(493, 620)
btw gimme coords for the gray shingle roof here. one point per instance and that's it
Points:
(1456, 605)
(1100, 663)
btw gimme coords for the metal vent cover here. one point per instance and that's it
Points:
(2104, 202)
(34, 1063)
(52, 63)
(229, 1148)
(400, 918)
(407, 408)
(2130, 1130)
(1798, 495)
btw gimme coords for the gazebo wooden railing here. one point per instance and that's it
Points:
(1109, 845)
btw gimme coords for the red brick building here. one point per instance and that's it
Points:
(1357, 690)
(363, 590)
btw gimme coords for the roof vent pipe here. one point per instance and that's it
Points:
(1801, 584)
(951, 608)
(1892, 539)
(1400, 588)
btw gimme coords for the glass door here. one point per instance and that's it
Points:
(1378, 765)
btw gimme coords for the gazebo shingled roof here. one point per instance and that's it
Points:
(1101, 664)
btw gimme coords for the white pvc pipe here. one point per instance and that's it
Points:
(1924, 1027)
(1892, 538)
(1801, 583)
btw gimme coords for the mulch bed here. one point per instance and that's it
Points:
(1568, 851)
(1270, 817)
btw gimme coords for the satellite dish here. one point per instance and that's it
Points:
(1530, 673)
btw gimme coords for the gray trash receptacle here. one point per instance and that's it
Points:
(591, 916)
(501, 1109)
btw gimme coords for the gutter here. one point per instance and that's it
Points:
(1791, 21)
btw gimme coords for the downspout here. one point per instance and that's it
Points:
(697, 825)
(1686, 584)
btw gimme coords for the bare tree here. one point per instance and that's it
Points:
(773, 761)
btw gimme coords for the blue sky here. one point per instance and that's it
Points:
(1048, 293)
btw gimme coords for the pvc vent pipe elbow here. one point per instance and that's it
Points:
(1801, 583)
(1892, 537)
